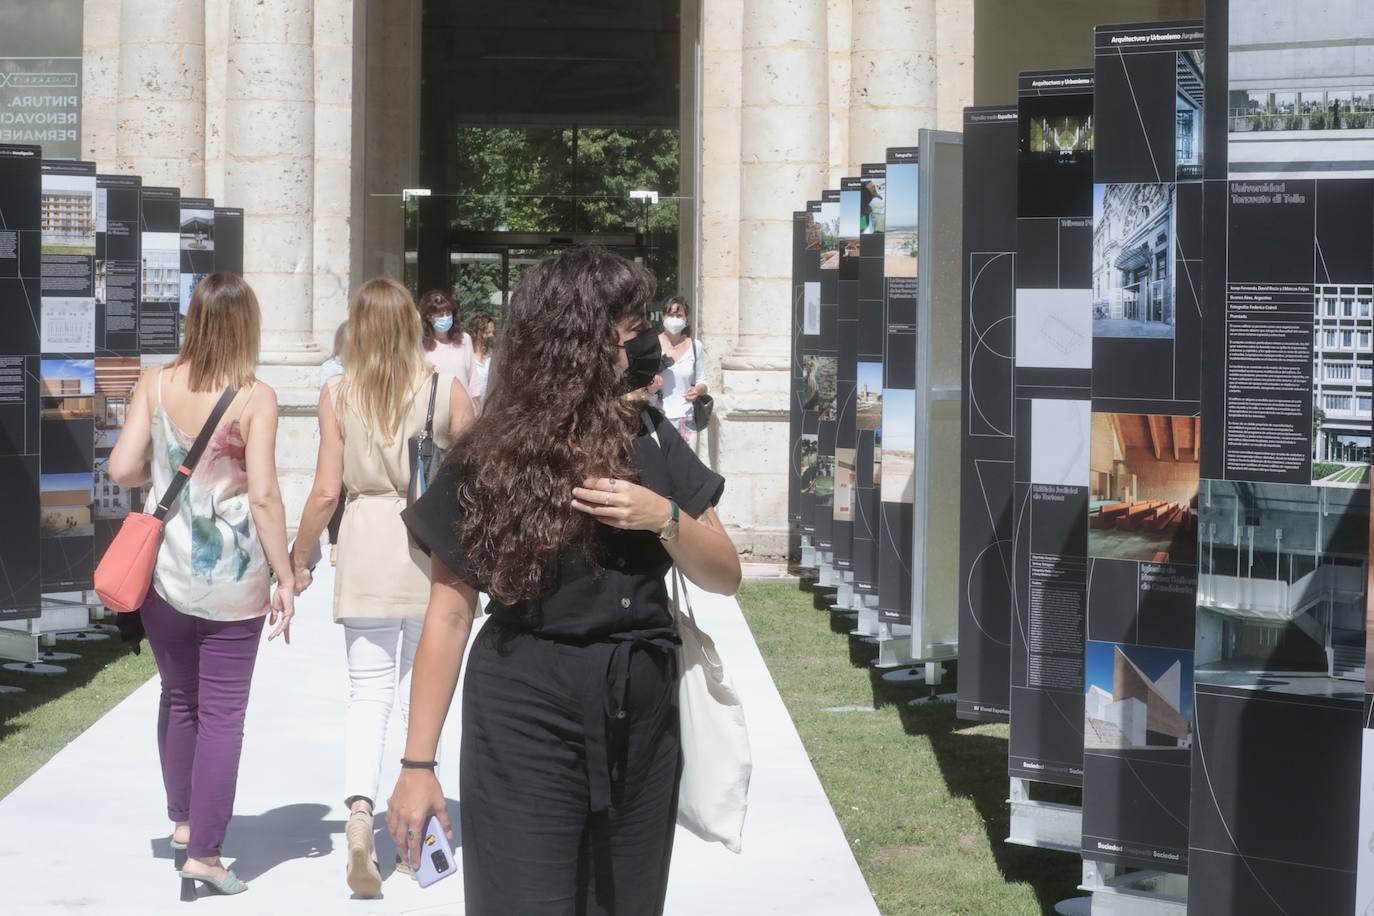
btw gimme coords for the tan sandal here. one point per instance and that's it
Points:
(364, 879)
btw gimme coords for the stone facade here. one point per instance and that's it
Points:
(252, 102)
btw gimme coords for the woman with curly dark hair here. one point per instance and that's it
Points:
(569, 511)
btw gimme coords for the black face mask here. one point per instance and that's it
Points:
(645, 355)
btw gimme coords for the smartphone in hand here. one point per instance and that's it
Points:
(436, 856)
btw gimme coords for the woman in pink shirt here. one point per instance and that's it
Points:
(447, 348)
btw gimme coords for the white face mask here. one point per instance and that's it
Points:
(674, 325)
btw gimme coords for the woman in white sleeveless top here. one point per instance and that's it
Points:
(381, 581)
(685, 379)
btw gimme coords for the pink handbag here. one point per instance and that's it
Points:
(125, 572)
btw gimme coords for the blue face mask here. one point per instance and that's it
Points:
(443, 324)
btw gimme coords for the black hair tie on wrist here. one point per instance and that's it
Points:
(418, 764)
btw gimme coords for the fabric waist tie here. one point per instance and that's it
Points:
(604, 710)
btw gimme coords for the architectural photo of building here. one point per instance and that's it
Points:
(161, 275)
(68, 222)
(1188, 116)
(68, 389)
(1133, 260)
(1342, 383)
(66, 505)
(1137, 697)
(1295, 78)
(1281, 587)
(1143, 487)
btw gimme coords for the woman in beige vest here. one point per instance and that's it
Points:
(381, 584)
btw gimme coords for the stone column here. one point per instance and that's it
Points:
(893, 89)
(269, 149)
(100, 82)
(784, 134)
(161, 105)
(954, 62)
(334, 180)
(839, 17)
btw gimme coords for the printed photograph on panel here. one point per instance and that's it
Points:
(188, 286)
(66, 504)
(68, 325)
(1143, 488)
(1342, 384)
(813, 232)
(824, 486)
(1281, 588)
(67, 389)
(808, 469)
(844, 484)
(873, 206)
(850, 205)
(811, 307)
(818, 385)
(830, 235)
(1301, 89)
(1054, 329)
(868, 394)
(114, 386)
(900, 247)
(1188, 117)
(1137, 697)
(899, 445)
(161, 267)
(1133, 260)
(68, 215)
(197, 230)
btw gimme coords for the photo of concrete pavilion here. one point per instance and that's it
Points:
(1137, 697)
(1144, 479)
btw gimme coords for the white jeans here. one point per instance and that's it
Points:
(380, 656)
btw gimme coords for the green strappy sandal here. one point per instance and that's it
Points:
(230, 886)
(178, 852)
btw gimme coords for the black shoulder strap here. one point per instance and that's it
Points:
(188, 464)
(429, 414)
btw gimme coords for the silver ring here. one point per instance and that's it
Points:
(606, 500)
(410, 832)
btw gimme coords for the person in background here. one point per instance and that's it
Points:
(221, 541)
(447, 348)
(685, 379)
(482, 333)
(569, 511)
(367, 418)
(333, 368)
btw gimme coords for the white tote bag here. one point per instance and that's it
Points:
(716, 760)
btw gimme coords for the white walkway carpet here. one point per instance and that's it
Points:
(87, 833)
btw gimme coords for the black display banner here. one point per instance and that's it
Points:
(67, 376)
(160, 294)
(808, 386)
(846, 369)
(1284, 521)
(196, 230)
(824, 371)
(868, 387)
(117, 264)
(20, 296)
(1052, 423)
(118, 269)
(988, 449)
(801, 222)
(229, 240)
(1146, 433)
(897, 485)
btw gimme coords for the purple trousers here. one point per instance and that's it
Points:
(206, 667)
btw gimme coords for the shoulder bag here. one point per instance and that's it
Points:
(717, 762)
(425, 455)
(702, 406)
(125, 572)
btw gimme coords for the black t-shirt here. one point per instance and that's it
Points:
(626, 592)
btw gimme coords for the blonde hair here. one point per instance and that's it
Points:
(222, 332)
(382, 357)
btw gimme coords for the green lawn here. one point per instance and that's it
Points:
(920, 795)
(37, 724)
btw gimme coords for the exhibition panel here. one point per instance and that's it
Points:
(1145, 434)
(987, 445)
(868, 388)
(160, 296)
(801, 223)
(1053, 388)
(898, 416)
(846, 369)
(67, 376)
(823, 373)
(196, 239)
(20, 291)
(806, 391)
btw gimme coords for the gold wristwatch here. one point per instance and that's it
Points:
(669, 531)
